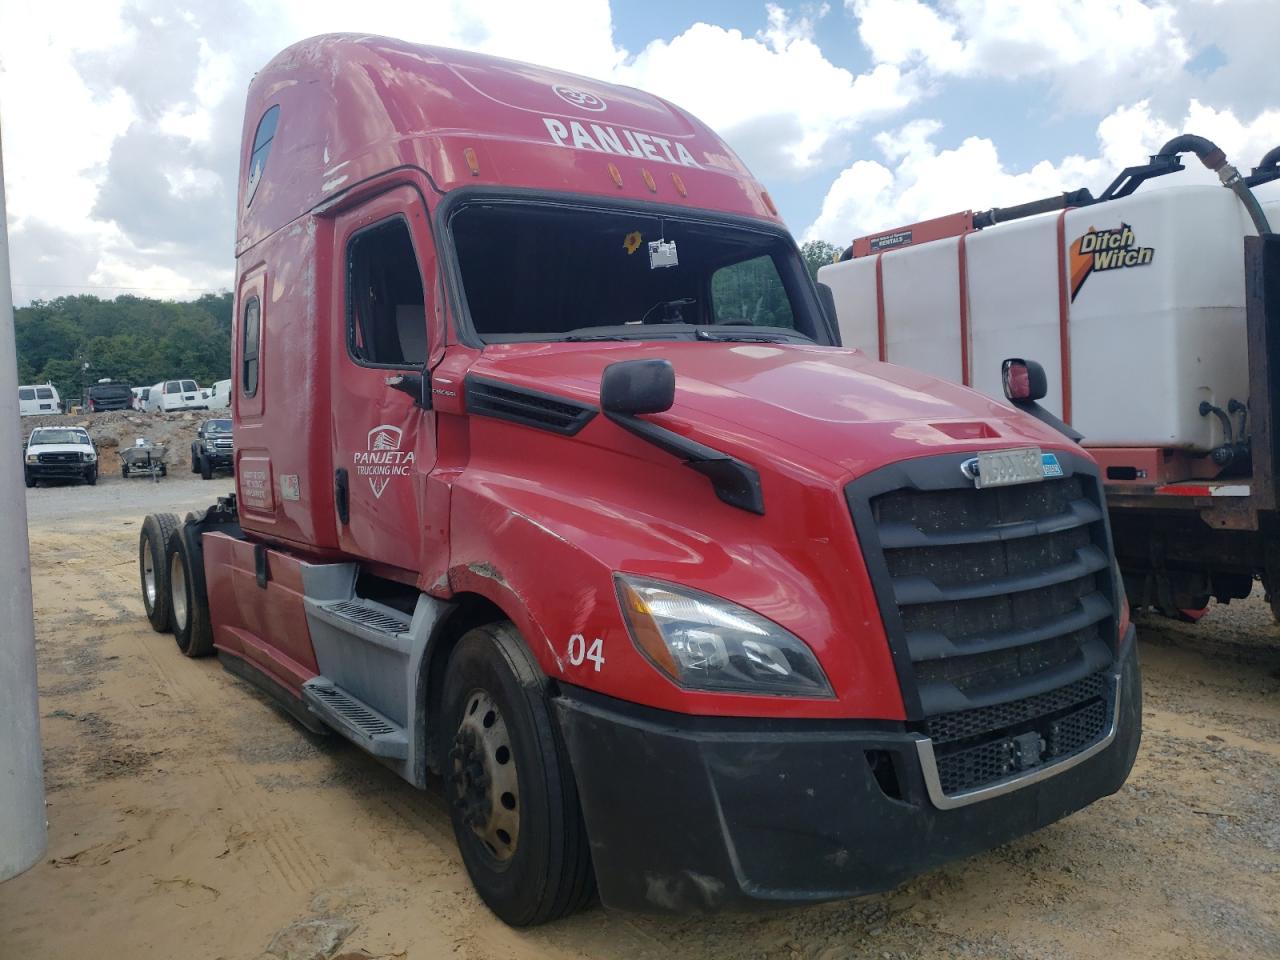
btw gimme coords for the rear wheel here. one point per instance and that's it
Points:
(192, 628)
(508, 783)
(153, 568)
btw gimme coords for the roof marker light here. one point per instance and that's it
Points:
(768, 202)
(676, 179)
(617, 177)
(648, 180)
(473, 163)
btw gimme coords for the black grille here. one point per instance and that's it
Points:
(989, 595)
(532, 408)
(977, 747)
(59, 458)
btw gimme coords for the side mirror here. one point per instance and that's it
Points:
(630, 387)
(416, 385)
(1024, 380)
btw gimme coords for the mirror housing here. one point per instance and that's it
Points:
(631, 387)
(416, 385)
(1024, 380)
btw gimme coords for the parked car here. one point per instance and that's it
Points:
(107, 395)
(168, 396)
(60, 453)
(213, 449)
(140, 395)
(220, 395)
(37, 399)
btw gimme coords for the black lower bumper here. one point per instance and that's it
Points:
(59, 471)
(697, 814)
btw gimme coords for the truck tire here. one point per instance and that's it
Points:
(91, 476)
(525, 847)
(195, 463)
(153, 569)
(31, 481)
(192, 628)
(206, 468)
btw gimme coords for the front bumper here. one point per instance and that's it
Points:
(698, 814)
(59, 471)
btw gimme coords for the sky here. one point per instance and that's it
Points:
(121, 118)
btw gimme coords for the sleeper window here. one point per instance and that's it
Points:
(386, 312)
(250, 332)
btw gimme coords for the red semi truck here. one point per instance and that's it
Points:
(552, 479)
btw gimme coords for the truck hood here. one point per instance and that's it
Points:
(834, 404)
(60, 448)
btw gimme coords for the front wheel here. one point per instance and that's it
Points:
(31, 481)
(91, 476)
(206, 467)
(508, 783)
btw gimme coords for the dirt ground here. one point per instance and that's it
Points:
(189, 817)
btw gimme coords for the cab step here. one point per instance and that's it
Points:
(373, 622)
(355, 720)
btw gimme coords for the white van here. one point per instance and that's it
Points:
(168, 396)
(37, 399)
(140, 395)
(220, 395)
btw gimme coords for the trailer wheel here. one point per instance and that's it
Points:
(153, 568)
(191, 625)
(508, 783)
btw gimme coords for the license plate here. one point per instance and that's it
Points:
(1003, 468)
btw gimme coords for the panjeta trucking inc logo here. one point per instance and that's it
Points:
(1111, 249)
(383, 459)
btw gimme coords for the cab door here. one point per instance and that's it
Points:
(384, 443)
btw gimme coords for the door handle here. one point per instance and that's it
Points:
(342, 495)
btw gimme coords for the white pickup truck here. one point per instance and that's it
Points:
(60, 453)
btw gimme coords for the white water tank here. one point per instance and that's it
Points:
(1147, 291)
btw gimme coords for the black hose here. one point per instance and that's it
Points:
(1270, 160)
(1211, 156)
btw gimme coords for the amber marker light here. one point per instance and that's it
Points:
(679, 182)
(645, 631)
(648, 181)
(616, 175)
(473, 162)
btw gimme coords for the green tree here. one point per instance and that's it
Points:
(818, 253)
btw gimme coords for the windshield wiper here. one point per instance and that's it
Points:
(587, 338)
(730, 336)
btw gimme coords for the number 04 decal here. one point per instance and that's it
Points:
(580, 652)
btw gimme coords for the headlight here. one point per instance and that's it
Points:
(88, 457)
(705, 643)
(33, 458)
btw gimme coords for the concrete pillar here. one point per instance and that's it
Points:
(22, 820)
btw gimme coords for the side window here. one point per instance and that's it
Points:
(751, 292)
(386, 312)
(173, 386)
(261, 147)
(26, 393)
(250, 333)
(189, 386)
(44, 393)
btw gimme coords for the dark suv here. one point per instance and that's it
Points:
(106, 395)
(213, 449)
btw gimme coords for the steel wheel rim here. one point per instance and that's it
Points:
(149, 577)
(483, 779)
(178, 580)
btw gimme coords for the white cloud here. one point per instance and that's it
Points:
(775, 96)
(919, 180)
(1093, 51)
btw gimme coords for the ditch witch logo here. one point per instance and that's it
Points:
(384, 459)
(1111, 249)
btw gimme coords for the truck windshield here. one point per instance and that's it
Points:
(218, 426)
(542, 271)
(59, 436)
